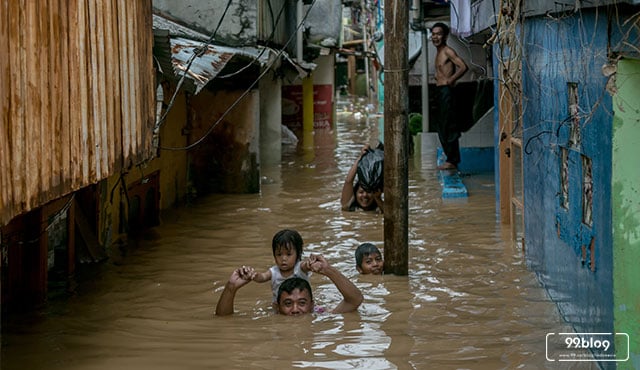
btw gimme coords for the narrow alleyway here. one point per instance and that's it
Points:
(469, 300)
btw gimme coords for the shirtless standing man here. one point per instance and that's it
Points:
(449, 68)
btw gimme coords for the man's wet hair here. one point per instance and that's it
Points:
(290, 239)
(445, 28)
(364, 250)
(291, 284)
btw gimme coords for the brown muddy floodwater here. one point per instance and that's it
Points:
(469, 301)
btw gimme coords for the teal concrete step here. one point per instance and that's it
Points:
(451, 181)
(452, 185)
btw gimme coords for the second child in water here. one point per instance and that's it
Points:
(369, 259)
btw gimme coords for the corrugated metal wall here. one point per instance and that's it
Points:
(77, 96)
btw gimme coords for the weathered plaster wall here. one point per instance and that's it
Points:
(172, 168)
(237, 28)
(626, 208)
(558, 52)
(226, 160)
(325, 22)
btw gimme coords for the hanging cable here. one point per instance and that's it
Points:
(198, 52)
(246, 92)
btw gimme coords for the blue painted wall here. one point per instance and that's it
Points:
(571, 49)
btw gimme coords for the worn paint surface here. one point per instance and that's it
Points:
(626, 207)
(558, 52)
(238, 27)
(227, 159)
(77, 96)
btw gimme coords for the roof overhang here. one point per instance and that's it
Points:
(188, 56)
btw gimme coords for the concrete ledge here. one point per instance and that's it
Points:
(452, 186)
(472, 160)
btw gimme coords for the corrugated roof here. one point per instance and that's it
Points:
(175, 46)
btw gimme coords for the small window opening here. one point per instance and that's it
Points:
(587, 191)
(574, 114)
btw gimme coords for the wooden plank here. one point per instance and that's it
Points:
(117, 88)
(17, 114)
(95, 91)
(55, 96)
(146, 79)
(134, 102)
(64, 124)
(151, 80)
(33, 104)
(124, 81)
(109, 85)
(102, 102)
(93, 88)
(84, 86)
(75, 108)
(6, 187)
(134, 73)
(44, 136)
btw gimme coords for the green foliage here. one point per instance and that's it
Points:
(415, 123)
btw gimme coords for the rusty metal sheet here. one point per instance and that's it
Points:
(78, 96)
(209, 59)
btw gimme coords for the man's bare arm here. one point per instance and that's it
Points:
(352, 296)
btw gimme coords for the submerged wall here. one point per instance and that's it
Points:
(626, 207)
(567, 165)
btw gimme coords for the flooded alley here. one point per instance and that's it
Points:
(469, 301)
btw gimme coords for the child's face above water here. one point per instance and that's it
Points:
(371, 264)
(286, 258)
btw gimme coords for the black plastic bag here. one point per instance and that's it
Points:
(371, 170)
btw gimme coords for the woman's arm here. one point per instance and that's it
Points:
(347, 189)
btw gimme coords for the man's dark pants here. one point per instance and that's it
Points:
(447, 127)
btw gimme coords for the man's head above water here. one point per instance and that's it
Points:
(294, 295)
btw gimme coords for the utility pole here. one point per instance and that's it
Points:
(396, 137)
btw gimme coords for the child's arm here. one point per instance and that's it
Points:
(261, 277)
(305, 265)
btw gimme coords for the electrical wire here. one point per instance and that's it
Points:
(197, 53)
(269, 39)
(246, 92)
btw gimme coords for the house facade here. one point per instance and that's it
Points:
(565, 90)
(136, 108)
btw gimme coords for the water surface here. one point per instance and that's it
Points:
(469, 301)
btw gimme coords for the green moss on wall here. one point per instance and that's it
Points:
(625, 200)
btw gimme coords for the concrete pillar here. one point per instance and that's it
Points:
(270, 120)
